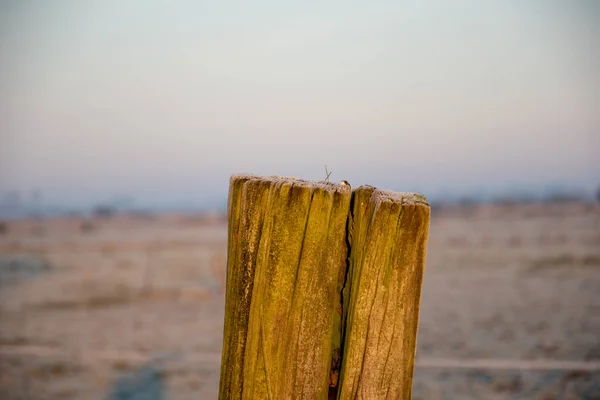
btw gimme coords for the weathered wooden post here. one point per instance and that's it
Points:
(387, 256)
(315, 285)
(286, 260)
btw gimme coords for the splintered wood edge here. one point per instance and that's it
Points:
(326, 186)
(404, 198)
(407, 198)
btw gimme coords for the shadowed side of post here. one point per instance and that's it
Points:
(387, 257)
(286, 256)
(246, 209)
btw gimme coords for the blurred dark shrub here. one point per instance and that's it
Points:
(86, 226)
(103, 211)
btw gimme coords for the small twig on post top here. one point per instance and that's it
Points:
(327, 174)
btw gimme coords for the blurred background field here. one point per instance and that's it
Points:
(86, 304)
(121, 123)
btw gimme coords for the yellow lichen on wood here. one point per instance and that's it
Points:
(388, 243)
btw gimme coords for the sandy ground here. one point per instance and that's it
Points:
(510, 306)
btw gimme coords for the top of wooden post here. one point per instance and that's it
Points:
(383, 195)
(325, 185)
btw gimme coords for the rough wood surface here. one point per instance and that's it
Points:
(286, 263)
(387, 256)
(322, 300)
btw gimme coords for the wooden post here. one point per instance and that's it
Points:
(301, 286)
(388, 243)
(286, 260)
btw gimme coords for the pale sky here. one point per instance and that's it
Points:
(164, 100)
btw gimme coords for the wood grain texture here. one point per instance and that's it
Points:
(388, 243)
(286, 263)
(323, 290)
